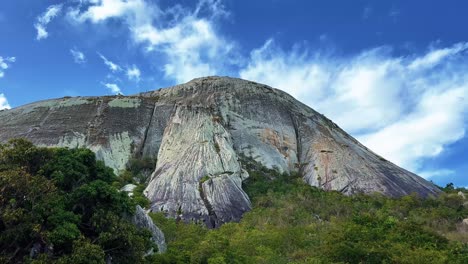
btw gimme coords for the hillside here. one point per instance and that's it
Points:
(62, 206)
(199, 131)
(292, 222)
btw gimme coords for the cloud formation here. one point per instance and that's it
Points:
(114, 88)
(186, 39)
(5, 64)
(113, 67)
(3, 102)
(44, 19)
(78, 56)
(133, 73)
(404, 108)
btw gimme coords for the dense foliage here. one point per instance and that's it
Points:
(292, 222)
(61, 206)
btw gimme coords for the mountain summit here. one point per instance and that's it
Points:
(200, 133)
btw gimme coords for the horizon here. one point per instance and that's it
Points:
(372, 68)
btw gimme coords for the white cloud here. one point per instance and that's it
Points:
(3, 102)
(437, 121)
(138, 11)
(114, 88)
(112, 66)
(437, 173)
(436, 56)
(404, 108)
(5, 64)
(186, 39)
(44, 19)
(78, 56)
(359, 85)
(133, 73)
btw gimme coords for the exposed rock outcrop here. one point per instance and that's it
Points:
(142, 220)
(198, 130)
(196, 145)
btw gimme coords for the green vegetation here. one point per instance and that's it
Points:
(205, 178)
(292, 222)
(137, 173)
(60, 206)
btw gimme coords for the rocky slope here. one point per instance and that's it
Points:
(198, 131)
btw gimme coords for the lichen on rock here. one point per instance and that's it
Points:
(125, 102)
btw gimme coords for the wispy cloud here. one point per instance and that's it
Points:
(112, 66)
(5, 64)
(3, 102)
(114, 88)
(133, 73)
(437, 173)
(404, 108)
(187, 40)
(78, 56)
(44, 19)
(436, 56)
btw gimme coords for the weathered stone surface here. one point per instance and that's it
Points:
(196, 146)
(198, 130)
(142, 220)
(113, 127)
(333, 160)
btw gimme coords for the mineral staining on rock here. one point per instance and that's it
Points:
(198, 130)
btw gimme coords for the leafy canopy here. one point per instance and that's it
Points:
(60, 205)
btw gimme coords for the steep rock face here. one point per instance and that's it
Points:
(115, 128)
(333, 160)
(198, 175)
(198, 130)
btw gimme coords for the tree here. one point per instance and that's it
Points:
(59, 205)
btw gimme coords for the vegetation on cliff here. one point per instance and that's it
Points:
(60, 206)
(292, 222)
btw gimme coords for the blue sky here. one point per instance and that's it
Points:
(392, 73)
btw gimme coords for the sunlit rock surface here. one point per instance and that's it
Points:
(198, 131)
(198, 174)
